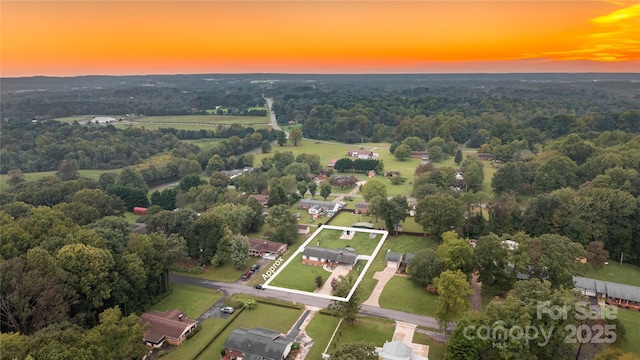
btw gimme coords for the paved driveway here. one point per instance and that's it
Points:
(383, 278)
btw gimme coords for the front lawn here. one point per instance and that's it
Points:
(414, 299)
(625, 274)
(191, 300)
(268, 316)
(299, 276)
(320, 329)
(369, 329)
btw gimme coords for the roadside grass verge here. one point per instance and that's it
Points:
(320, 329)
(191, 300)
(414, 299)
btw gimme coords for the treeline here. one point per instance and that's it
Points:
(44, 146)
(585, 187)
(461, 113)
(141, 100)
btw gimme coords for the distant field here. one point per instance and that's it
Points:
(204, 144)
(187, 122)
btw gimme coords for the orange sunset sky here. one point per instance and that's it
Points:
(68, 38)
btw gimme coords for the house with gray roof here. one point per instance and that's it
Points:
(256, 344)
(397, 350)
(313, 255)
(613, 293)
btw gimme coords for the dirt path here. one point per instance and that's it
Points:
(476, 298)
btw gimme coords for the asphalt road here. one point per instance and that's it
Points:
(233, 288)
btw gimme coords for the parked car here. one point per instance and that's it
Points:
(255, 267)
(228, 310)
(258, 286)
(246, 275)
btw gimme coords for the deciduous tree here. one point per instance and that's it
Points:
(453, 296)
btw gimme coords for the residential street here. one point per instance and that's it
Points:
(232, 288)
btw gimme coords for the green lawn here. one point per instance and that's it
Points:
(264, 315)
(225, 273)
(414, 299)
(191, 300)
(625, 274)
(204, 144)
(631, 321)
(345, 218)
(370, 329)
(194, 345)
(436, 348)
(324, 150)
(320, 329)
(300, 276)
(361, 242)
(403, 244)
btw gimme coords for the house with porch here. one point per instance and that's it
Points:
(256, 344)
(313, 255)
(171, 326)
(267, 249)
(621, 295)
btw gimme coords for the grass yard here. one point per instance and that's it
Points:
(631, 321)
(225, 273)
(370, 329)
(191, 300)
(346, 218)
(326, 151)
(436, 348)
(196, 344)
(320, 329)
(268, 316)
(300, 276)
(625, 274)
(414, 299)
(204, 144)
(403, 244)
(361, 242)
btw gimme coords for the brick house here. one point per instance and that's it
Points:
(266, 248)
(170, 326)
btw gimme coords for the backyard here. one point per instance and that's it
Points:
(361, 242)
(614, 272)
(191, 300)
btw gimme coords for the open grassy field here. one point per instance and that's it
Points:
(625, 274)
(414, 299)
(360, 242)
(320, 329)
(300, 276)
(225, 273)
(326, 151)
(191, 300)
(204, 144)
(370, 329)
(264, 315)
(631, 321)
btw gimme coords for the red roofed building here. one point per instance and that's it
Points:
(172, 326)
(266, 248)
(262, 199)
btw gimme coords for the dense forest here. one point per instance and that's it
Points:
(566, 152)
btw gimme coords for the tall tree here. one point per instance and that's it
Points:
(115, 337)
(325, 190)
(491, 260)
(295, 136)
(453, 296)
(283, 224)
(402, 152)
(439, 213)
(265, 147)
(458, 157)
(281, 138)
(373, 188)
(347, 310)
(239, 251)
(425, 266)
(68, 170)
(302, 188)
(313, 187)
(596, 254)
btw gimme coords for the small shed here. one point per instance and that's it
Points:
(140, 210)
(393, 259)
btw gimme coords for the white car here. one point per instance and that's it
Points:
(228, 310)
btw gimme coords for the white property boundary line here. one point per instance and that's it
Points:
(384, 234)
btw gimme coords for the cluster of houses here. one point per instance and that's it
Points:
(318, 207)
